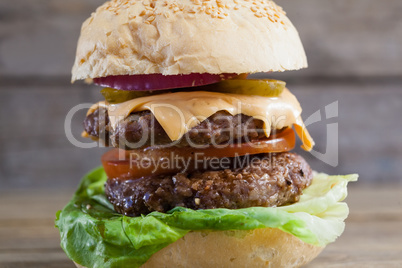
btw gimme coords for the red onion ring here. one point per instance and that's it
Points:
(147, 82)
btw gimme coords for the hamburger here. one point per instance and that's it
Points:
(200, 172)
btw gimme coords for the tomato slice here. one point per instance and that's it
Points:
(139, 163)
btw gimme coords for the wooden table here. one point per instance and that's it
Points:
(373, 236)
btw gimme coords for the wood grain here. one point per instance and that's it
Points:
(348, 37)
(372, 237)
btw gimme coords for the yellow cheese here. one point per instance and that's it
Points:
(178, 112)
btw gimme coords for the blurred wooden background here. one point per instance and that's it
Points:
(355, 56)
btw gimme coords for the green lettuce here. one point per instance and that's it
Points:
(94, 235)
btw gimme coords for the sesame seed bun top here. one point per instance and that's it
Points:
(187, 36)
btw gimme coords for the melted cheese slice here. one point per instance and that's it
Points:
(178, 112)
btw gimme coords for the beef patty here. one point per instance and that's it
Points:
(270, 180)
(140, 130)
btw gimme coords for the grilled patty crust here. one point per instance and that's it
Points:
(271, 180)
(140, 130)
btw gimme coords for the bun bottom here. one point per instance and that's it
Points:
(266, 247)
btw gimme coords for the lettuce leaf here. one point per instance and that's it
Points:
(94, 235)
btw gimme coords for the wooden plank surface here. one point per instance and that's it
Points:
(373, 235)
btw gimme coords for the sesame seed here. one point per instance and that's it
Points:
(258, 15)
(151, 19)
